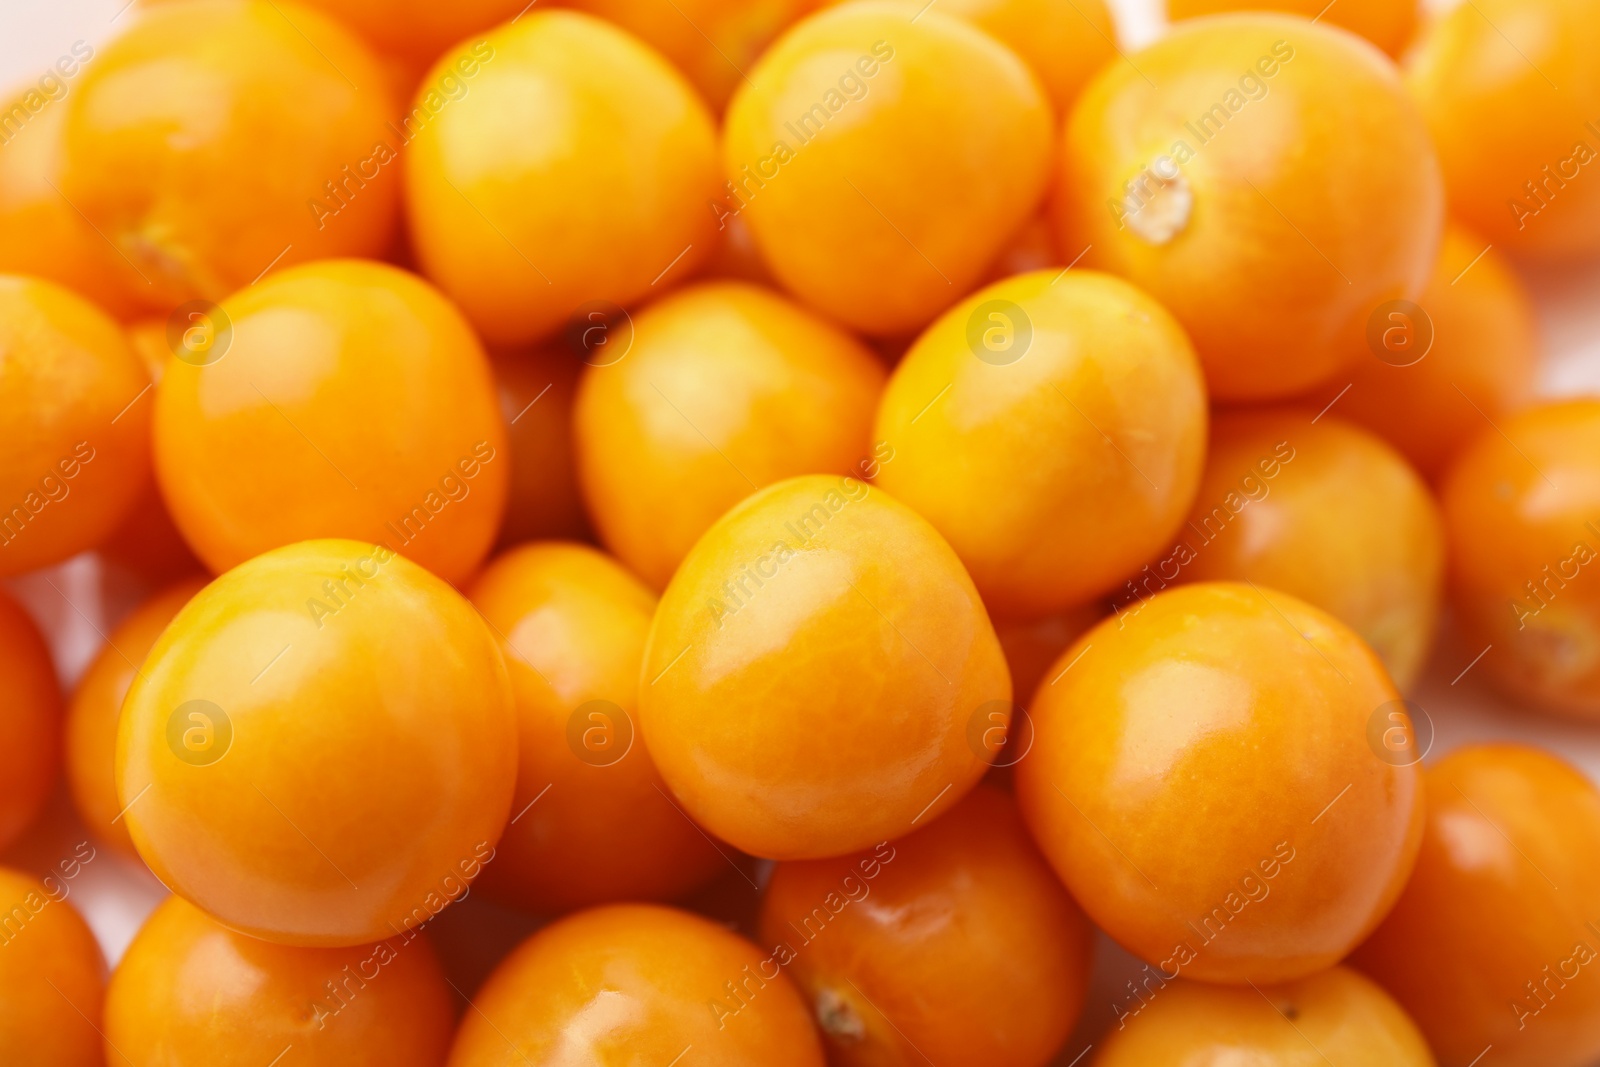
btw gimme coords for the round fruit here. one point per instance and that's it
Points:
(189, 990)
(878, 187)
(51, 977)
(593, 821)
(321, 748)
(1205, 781)
(339, 399)
(1522, 515)
(30, 718)
(1033, 647)
(636, 983)
(1335, 1018)
(419, 30)
(218, 139)
(1389, 24)
(576, 174)
(1470, 356)
(1514, 833)
(97, 706)
(1325, 512)
(1260, 162)
(812, 671)
(536, 395)
(1052, 427)
(727, 388)
(75, 454)
(954, 945)
(1510, 92)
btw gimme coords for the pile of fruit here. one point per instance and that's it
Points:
(809, 514)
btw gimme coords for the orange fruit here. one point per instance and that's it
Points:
(846, 619)
(1259, 159)
(536, 393)
(869, 176)
(954, 945)
(1321, 510)
(1469, 359)
(321, 747)
(419, 30)
(31, 716)
(592, 820)
(1052, 427)
(51, 977)
(76, 455)
(1511, 93)
(189, 990)
(1521, 509)
(218, 139)
(639, 982)
(726, 388)
(1033, 646)
(91, 736)
(1334, 1018)
(1206, 781)
(575, 174)
(1513, 832)
(1389, 24)
(339, 399)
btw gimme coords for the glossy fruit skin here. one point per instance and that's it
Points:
(594, 822)
(1485, 77)
(727, 388)
(1334, 1018)
(96, 707)
(352, 401)
(43, 1026)
(536, 391)
(75, 456)
(711, 41)
(189, 990)
(849, 622)
(1202, 781)
(1378, 567)
(1483, 361)
(886, 215)
(1054, 466)
(1389, 24)
(365, 773)
(578, 168)
(635, 983)
(201, 141)
(1333, 205)
(1520, 507)
(956, 943)
(1514, 832)
(30, 717)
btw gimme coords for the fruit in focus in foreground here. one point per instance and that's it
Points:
(593, 819)
(97, 706)
(956, 943)
(1493, 939)
(869, 176)
(51, 982)
(1335, 1018)
(1480, 359)
(576, 172)
(1273, 164)
(542, 500)
(321, 748)
(1389, 24)
(30, 718)
(203, 143)
(75, 454)
(636, 983)
(1510, 92)
(1205, 781)
(1323, 511)
(1052, 428)
(812, 671)
(726, 388)
(189, 990)
(338, 399)
(1522, 514)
